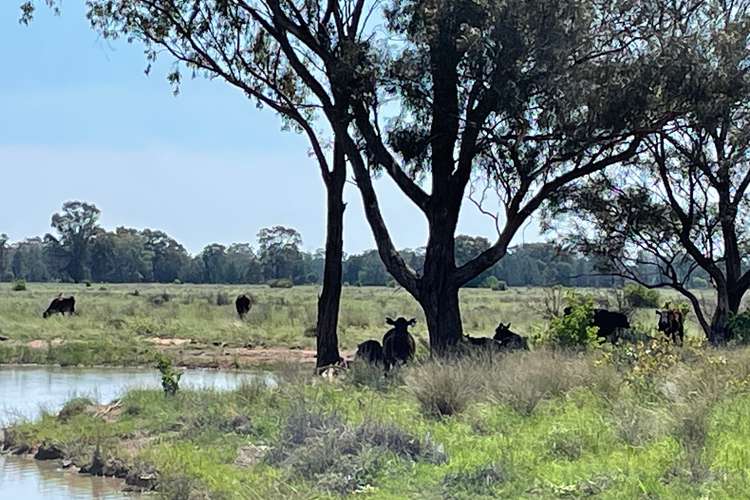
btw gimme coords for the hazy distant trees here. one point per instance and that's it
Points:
(128, 255)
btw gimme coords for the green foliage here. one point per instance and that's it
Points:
(170, 377)
(281, 283)
(739, 325)
(574, 330)
(640, 296)
(19, 285)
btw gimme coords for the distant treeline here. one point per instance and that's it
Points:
(83, 251)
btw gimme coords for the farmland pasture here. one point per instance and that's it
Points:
(123, 324)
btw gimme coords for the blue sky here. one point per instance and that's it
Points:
(79, 119)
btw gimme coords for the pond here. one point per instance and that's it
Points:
(27, 391)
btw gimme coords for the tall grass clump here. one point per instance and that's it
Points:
(444, 388)
(19, 285)
(339, 458)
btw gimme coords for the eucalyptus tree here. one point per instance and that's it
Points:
(525, 97)
(76, 225)
(681, 206)
(528, 96)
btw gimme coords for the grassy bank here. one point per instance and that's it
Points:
(197, 325)
(643, 421)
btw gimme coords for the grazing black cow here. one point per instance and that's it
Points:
(608, 322)
(508, 339)
(398, 344)
(243, 305)
(61, 305)
(672, 324)
(371, 352)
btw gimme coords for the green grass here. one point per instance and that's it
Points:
(114, 326)
(675, 427)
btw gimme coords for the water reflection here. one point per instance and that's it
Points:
(27, 391)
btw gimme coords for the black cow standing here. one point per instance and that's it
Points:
(243, 305)
(672, 324)
(61, 305)
(608, 322)
(398, 344)
(509, 340)
(371, 352)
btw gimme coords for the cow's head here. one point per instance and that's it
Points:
(400, 323)
(665, 319)
(503, 330)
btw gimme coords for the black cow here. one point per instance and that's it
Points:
(508, 339)
(243, 305)
(61, 305)
(483, 342)
(398, 344)
(672, 324)
(608, 322)
(371, 352)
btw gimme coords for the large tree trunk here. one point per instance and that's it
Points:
(330, 295)
(443, 314)
(438, 290)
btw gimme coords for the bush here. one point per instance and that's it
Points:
(574, 329)
(281, 283)
(19, 285)
(170, 377)
(161, 299)
(495, 284)
(87, 283)
(640, 296)
(739, 326)
(222, 299)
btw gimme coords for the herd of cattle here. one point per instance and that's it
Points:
(398, 345)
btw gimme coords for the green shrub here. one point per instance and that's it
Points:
(19, 285)
(495, 284)
(739, 325)
(574, 329)
(281, 283)
(490, 282)
(170, 377)
(640, 296)
(87, 283)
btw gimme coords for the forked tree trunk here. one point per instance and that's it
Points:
(330, 296)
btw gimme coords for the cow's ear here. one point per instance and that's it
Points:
(658, 313)
(412, 321)
(390, 321)
(508, 326)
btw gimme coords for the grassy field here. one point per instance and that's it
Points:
(124, 324)
(642, 421)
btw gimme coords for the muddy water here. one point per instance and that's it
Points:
(26, 391)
